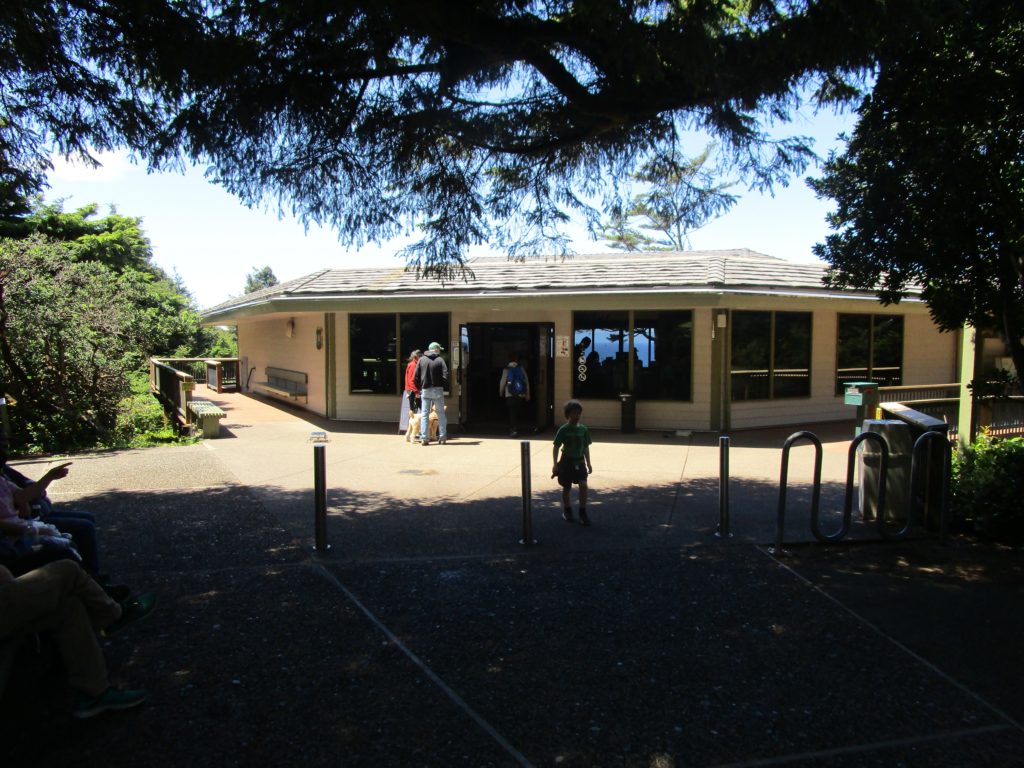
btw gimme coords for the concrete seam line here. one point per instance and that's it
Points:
(679, 489)
(861, 748)
(434, 677)
(916, 656)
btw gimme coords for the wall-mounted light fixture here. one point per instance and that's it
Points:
(319, 338)
(289, 327)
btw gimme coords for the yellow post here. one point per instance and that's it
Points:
(969, 359)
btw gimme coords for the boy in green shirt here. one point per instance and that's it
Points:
(574, 465)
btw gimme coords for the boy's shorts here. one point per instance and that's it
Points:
(570, 472)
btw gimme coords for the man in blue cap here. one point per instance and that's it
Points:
(432, 379)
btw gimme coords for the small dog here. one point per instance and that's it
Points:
(412, 434)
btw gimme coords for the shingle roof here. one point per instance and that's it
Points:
(694, 271)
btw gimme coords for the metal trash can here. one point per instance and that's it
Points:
(900, 439)
(628, 412)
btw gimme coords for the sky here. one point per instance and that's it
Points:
(207, 237)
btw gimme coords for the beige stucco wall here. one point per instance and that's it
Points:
(264, 342)
(929, 357)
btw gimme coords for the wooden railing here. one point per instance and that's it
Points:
(172, 387)
(1002, 416)
(218, 373)
(999, 417)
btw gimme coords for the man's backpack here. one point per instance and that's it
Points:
(516, 381)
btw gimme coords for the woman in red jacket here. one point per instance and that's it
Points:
(411, 390)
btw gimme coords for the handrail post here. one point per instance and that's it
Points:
(320, 499)
(524, 452)
(723, 487)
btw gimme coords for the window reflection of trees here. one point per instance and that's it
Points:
(869, 348)
(771, 355)
(376, 364)
(660, 348)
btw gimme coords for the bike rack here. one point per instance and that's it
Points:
(947, 461)
(844, 529)
(780, 523)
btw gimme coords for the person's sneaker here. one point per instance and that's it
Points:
(567, 515)
(584, 520)
(110, 699)
(442, 441)
(424, 442)
(132, 611)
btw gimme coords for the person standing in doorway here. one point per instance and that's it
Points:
(431, 378)
(515, 389)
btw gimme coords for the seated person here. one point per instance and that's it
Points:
(14, 509)
(61, 599)
(81, 525)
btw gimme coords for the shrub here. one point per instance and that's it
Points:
(988, 485)
(141, 420)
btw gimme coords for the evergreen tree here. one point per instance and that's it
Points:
(680, 195)
(258, 279)
(930, 189)
(467, 122)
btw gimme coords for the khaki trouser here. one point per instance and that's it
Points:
(61, 599)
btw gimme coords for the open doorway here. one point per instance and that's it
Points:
(487, 349)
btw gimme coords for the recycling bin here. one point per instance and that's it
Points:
(899, 438)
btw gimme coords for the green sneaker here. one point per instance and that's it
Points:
(132, 611)
(110, 699)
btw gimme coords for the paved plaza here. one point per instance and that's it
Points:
(429, 635)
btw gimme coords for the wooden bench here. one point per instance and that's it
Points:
(207, 416)
(281, 382)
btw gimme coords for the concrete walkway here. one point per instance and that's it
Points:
(428, 635)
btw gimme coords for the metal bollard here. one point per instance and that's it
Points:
(723, 488)
(527, 540)
(320, 499)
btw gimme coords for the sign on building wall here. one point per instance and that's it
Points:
(562, 348)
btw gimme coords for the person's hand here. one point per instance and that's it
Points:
(56, 473)
(554, 471)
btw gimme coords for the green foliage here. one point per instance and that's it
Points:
(258, 279)
(680, 195)
(77, 321)
(69, 336)
(141, 420)
(466, 122)
(219, 342)
(114, 240)
(930, 189)
(988, 485)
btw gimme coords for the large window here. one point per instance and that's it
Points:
(869, 348)
(771, 355)
(377, 353)
(661, 354)
(601, 346)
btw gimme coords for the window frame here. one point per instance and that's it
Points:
(874, 320)
(621, 377)
(395, 344)
(771, 387)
